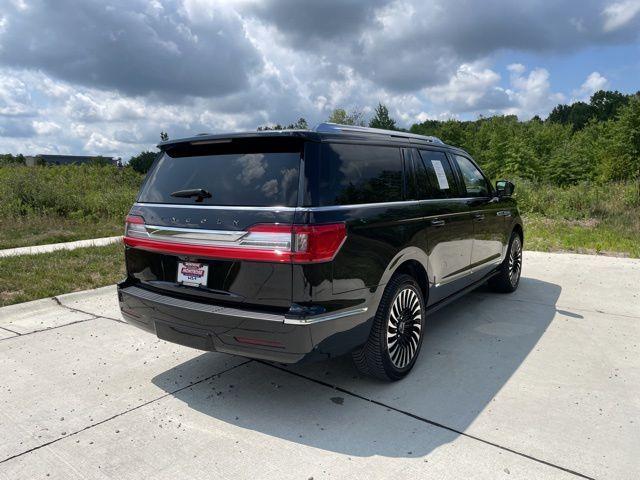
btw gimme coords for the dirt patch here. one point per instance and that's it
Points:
(8, 295)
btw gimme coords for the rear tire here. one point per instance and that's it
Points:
(396, 335)
(508, 277)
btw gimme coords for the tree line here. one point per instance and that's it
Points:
(598, 141)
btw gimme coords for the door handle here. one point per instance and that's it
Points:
(437, 223)
(478, 217)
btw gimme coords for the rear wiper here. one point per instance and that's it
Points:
(201, 193)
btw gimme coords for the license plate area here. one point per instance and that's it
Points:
(193, 274)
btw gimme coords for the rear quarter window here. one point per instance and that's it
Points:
(348, 174)
(435, 175)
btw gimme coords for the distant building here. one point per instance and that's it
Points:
(46, 159)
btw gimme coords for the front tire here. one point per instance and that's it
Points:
(508, 277)
(396, 335)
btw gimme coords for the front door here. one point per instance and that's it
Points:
(486, 212)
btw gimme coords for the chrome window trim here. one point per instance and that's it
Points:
(326, 208)
(215, 207)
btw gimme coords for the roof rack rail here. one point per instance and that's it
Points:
(328, 127)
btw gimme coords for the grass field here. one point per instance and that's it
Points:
(40, 205)
(41, 230)
(49, 205)
(590, 236)
(29, 277)
(585, 218)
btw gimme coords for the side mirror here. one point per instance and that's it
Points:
(504, 188)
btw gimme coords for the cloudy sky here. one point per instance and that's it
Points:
(105, 77)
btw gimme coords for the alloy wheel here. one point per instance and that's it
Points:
(515, 261)
(404, 327)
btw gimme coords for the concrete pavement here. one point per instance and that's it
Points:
(544, 383)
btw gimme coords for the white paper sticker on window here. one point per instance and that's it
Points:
(442, 177)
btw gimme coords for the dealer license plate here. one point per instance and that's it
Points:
(193, 274)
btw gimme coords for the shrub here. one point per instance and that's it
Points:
(82, 192)
(142, 163)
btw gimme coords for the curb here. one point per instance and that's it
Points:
(25, 309)
(68, 303)
(66, 298)
(52, 247)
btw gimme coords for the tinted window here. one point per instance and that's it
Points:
(434, 175)
(413, 188)
(247, 179)
(353, 174)
(474, 181)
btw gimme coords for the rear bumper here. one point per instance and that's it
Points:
(248, 333)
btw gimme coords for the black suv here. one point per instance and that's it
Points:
(308, 244)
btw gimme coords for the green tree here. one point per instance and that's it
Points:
(607, 104)
(142, 162)
(381, 119)
(577, 114)
(625, 159)
(101, 161)
(520, 159)
(354, 117)
(9, 159)
(300, 124)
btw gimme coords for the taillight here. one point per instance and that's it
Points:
(134, 227)
(306, 243)
(263, 242)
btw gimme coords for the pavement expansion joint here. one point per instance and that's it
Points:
(430, 422)
(129, 410)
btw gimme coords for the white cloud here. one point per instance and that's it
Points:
(46, 127)
(531, 94)
(619, 14)
(516, 68)
(192, 66)
(592, 84)
(15, 96)
(473, 88)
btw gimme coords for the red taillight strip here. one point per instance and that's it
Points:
(262, 242)
(209, 251)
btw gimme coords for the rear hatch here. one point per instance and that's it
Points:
(213, 221)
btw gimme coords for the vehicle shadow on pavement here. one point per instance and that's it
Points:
(472, 348)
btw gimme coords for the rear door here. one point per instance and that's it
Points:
(241, 189)
(445, 224)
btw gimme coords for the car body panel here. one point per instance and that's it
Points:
(290, 312)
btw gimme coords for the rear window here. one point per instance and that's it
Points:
(353, 174)
(243, 179)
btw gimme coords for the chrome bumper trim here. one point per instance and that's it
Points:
(143, 294)
(325, 317)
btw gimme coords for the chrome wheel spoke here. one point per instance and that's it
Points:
(515, 261)
(404, 327)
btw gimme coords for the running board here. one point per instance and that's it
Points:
(446, 301)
